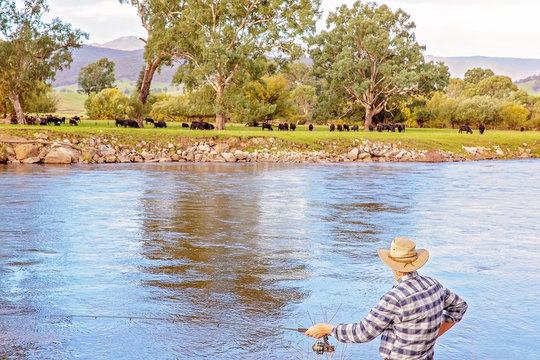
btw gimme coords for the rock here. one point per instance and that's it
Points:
(175, 157)
(109, 159)
(105, 150)
(123, 159)
(31, 160)
(221, 148)
(10, 151)
(198, 157)
(241, 155)
(364, 155)
(470, 150)
(228, 157)
(58, 156)
(165, 159)
(147, 156)
(24, 151)
(353, 154)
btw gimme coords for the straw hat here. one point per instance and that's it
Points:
(403, 255)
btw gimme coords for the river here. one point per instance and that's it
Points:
(281, 245)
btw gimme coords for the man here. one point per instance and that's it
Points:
(410, 317)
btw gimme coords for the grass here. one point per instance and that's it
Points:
(71, 103)
(320, 138)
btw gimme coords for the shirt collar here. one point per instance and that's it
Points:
(410, 275)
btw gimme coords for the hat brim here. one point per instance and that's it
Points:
(423, 256)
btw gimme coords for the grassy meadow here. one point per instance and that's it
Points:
(302, 138)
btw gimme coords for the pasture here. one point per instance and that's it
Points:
(318, 139)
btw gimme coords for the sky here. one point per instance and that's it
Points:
(499, 28)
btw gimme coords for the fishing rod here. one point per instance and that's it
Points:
(181, 318)
(320, 347)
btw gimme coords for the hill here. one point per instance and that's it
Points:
(515, 68)
(127, 54)
(128, 63)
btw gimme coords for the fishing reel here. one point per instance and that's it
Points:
(321, 347)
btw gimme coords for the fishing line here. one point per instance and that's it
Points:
(180, 318)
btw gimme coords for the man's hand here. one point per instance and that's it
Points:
(319, 330)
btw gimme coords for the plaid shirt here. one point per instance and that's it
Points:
(408, 316)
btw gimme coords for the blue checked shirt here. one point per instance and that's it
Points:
(408, 317)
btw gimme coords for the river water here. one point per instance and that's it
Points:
(274, 244)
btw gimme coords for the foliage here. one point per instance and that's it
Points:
(369, 56)
(512, 115)
(270, 96)
(97, 76)
(477, 110)
(496, 86)
(32, 50)
(474, 76)
(305, 98)
(222, 43)
(40, 100)
(107, 104)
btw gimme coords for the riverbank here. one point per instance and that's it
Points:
(67, 145)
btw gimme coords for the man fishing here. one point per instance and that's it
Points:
(410, 317)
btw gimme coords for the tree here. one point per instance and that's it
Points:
(477, 110)
(107, 104)
(32, 50)
(158, 44)
(496, 86)
(305, 97)
(97, 76)
(474, 76)
(221, 43)
(512, 115)
(370, 55)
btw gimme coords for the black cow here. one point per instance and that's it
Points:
(283, 127)
(131, 123)
(13, 121)
(293, 127)
(119, 122)
(332, 127)
(401, 127)
(73, 122)
(160, 124)
(43, 121)
(481, 129)
(346, 127)
(371, 127)
(62, 120)
(339, 127)
(522, 129)
(185, 125)
(149, 121)
(465, 128)
(267, 126)
(354, 127)
(310, 127)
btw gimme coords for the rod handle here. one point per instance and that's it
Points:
(302, 330)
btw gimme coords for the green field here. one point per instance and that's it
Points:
(320, 138)
(528, 86)
(71, 103)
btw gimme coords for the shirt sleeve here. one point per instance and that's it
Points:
(454, 307)
(379, 319)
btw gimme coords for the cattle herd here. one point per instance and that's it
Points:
(203, 125)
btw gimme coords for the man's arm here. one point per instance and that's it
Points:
(445, 326)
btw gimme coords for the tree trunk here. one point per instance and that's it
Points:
(146, 83)
(220, 116)
(14, 97)
(147, 79)
(368, 118)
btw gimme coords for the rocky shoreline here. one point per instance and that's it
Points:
(99, 150)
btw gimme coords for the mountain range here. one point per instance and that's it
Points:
(127, 54)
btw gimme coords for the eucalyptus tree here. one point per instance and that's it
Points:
(158, 43)
(32, 50)
(222, 43)
(97, 76)
(369, 55)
